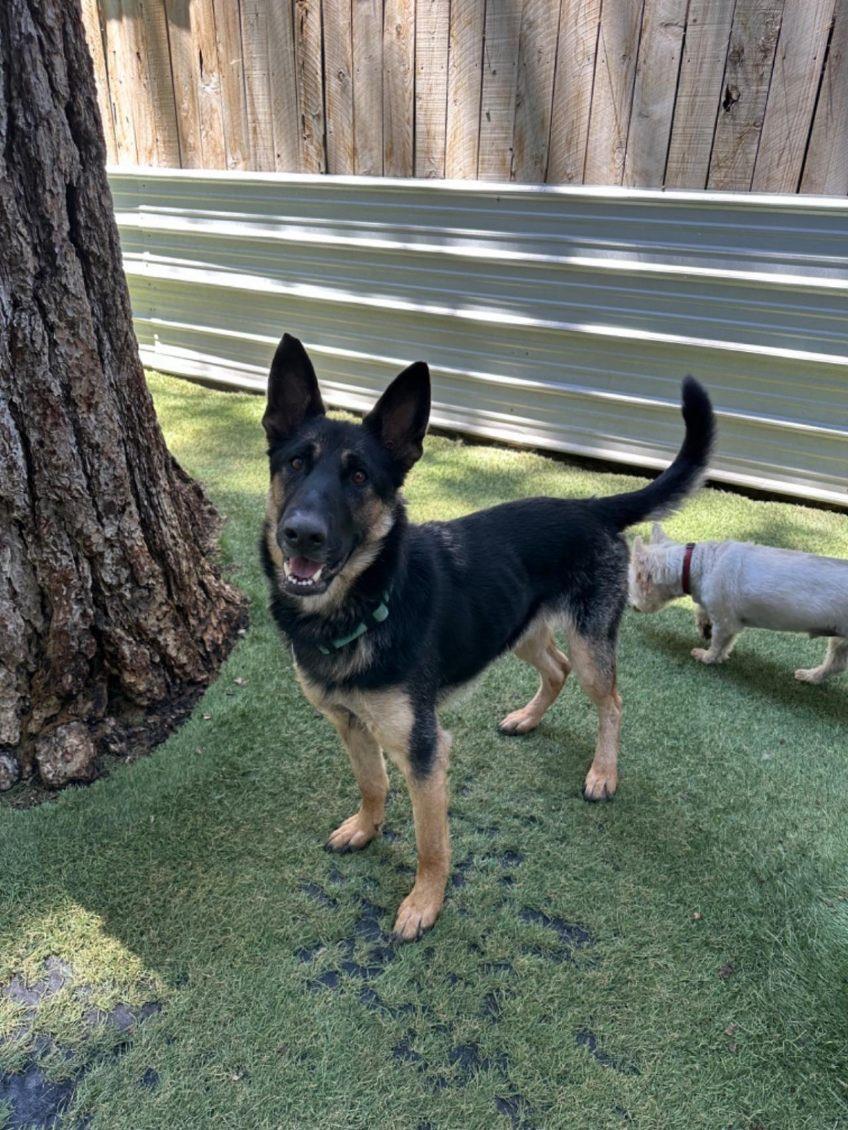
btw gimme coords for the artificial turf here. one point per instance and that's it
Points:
(676, 958)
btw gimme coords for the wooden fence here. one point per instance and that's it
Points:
(720, 94)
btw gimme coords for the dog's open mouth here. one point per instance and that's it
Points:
(305, 576)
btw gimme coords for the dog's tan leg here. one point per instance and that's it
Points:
(539, 649)
(594, 665)
(835, 660)
(370, 772)
(429, 794)
(420, 749)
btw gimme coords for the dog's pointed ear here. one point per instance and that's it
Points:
(293, 393)
(658, 534)
(638, 546)
(399, 418)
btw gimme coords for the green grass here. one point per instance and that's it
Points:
(195, 877)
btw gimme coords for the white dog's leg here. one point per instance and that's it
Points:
(703, 623)
(835, 660)
(721, 644)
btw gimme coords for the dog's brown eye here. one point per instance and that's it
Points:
(359, 478)
(296, 463)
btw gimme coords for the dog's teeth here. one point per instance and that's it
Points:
(301, 582)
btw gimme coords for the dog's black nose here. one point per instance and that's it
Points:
(304, 533)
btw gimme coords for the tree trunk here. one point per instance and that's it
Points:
(111, 606)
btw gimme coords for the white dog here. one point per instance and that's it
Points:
(737, 585)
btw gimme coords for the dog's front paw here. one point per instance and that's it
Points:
(600, 785)
(703, 656)
(809, 675)
(353, 834)
(416, 914)
(519, 722)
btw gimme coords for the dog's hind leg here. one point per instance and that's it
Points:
(539, 649)
(369, 768)
(835, 660)
(593, 661)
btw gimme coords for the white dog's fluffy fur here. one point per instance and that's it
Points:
(737, 585)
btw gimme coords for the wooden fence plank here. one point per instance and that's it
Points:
(537, 52)
(142, 99)
(572, 94)
(281, 72)
(257, 83)
(826, 166)
(146, 105)
(795, 82)
(750, 60)
(465, 79)
(338, 85)
(612, 95)
(399, 88)
(432, 29)
(657, 69)
(181, 35)
(310, 85)
(95, 34)
(121, 86)
(227, 15)
(500, 76)
(210, 110)
(131, 60)
(368, 87)
(162, 109)
(699, 92)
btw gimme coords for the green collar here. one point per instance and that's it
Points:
(380, 613)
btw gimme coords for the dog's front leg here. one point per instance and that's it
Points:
(369, 769)
(429, 794)
(426, 772)
(703, 623)
(721, 644)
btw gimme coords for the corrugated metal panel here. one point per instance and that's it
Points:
(560, 318)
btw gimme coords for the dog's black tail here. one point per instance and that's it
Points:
(684, 475)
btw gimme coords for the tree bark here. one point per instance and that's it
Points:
(111, 604)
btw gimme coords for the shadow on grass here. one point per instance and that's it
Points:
(767, 678)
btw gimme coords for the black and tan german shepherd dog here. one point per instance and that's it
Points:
(386, 619)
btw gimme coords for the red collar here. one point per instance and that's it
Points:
(687, 567)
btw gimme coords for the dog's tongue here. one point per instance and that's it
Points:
(303, 568)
